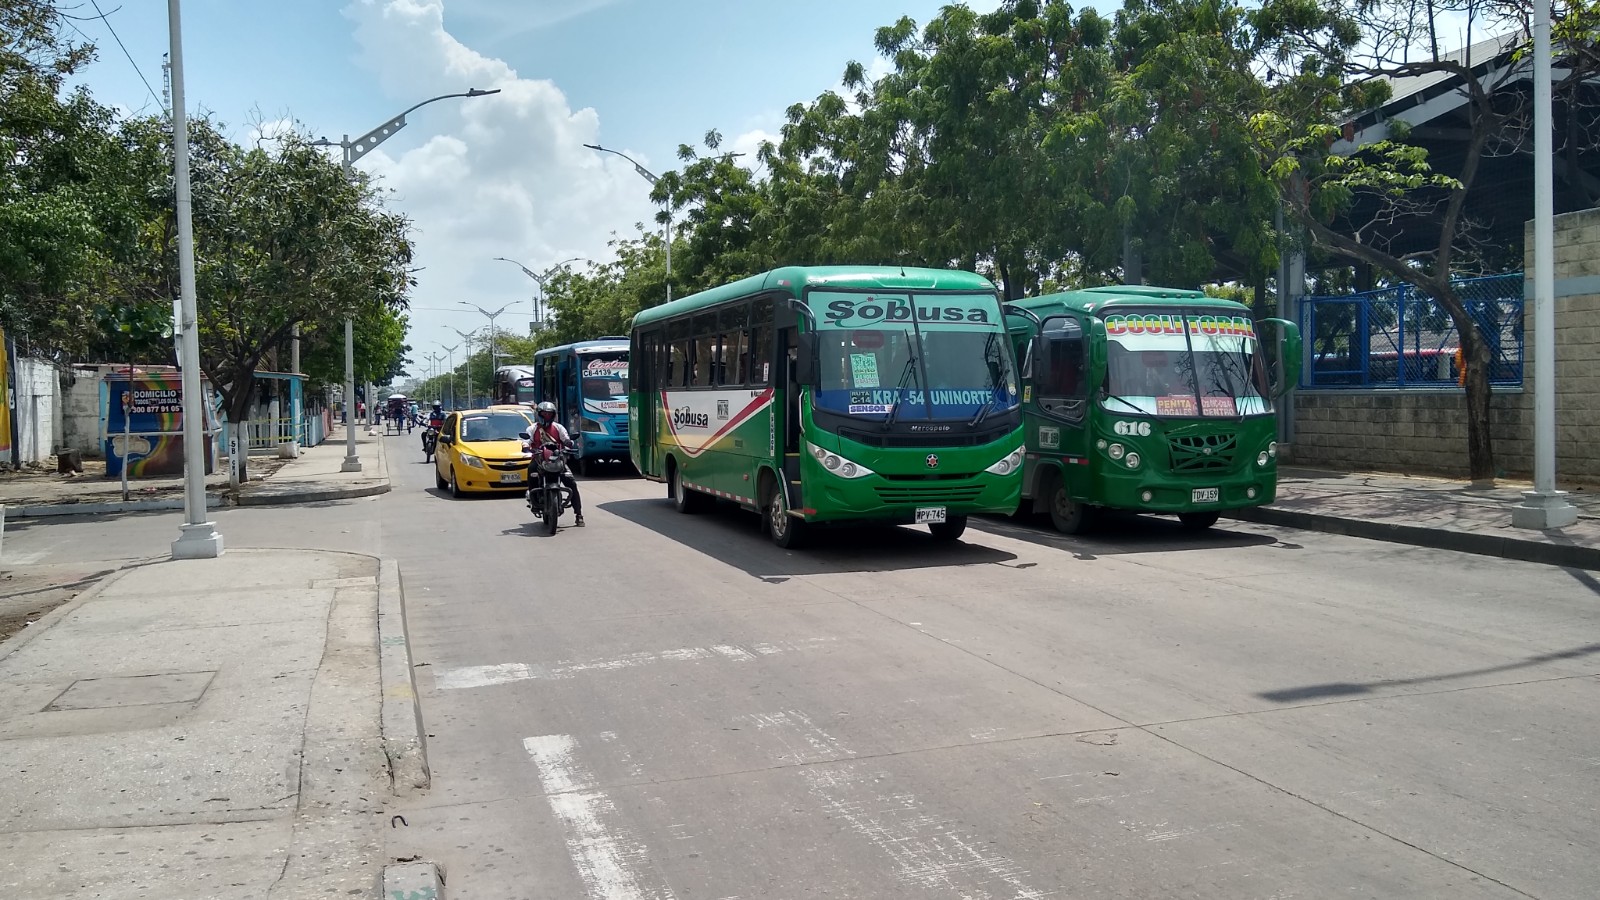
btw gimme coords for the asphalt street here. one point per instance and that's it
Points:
(665, 706)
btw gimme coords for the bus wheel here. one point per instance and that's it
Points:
(1197, 521)
(786, 531)
(949, 530)
(1066, 514)
(684, 498)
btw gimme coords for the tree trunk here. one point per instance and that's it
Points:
(239, 396)
(1475, 356)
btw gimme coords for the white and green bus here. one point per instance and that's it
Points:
(832, 394)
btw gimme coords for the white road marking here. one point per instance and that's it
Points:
(608, 859)
(506, 673)
(928, 852)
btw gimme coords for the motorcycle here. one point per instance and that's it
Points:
(430, 442)
(547, 496)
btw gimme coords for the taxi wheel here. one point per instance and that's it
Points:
(438, 480)
(455, 486)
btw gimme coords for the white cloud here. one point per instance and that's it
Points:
(505, 175)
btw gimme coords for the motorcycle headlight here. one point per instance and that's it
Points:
(1010, 463)
(837, 464)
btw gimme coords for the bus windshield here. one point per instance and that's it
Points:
(935, 356)
(1184, 363)
(605, 381)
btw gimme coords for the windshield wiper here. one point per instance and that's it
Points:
(1138, 410)
(989, 346)
(982, 414)
(899, 391)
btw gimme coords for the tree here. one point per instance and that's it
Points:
(1333, 61)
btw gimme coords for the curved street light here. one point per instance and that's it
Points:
(540, 279)
(350, 152)
(494, 363)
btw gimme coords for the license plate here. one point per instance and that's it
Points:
(927, 514)
(510, 478)
(1204, 495)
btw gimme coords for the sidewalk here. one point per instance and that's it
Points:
(170, 734)
(1429, 512)
(314, 476)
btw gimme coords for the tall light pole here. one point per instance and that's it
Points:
(493, 362)
(199, 538)
(435, 358)
(1543, 507)
(450, 354)
(467, 338)
(540, 278)
(352, 151)
(649, 176)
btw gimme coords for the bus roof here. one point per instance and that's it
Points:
(1144, 295)
(599, 345)
(793, 279)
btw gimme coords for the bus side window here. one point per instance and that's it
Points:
(705, 353)
(761, 341)
(1058, 361)
(731, 364)
(678, 357)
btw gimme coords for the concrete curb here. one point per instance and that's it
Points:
(1570, 555)
(313, 495)
(213, 501)
(404, 741)
(413, 881)
(48, 620)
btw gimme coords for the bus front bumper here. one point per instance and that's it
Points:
(1166, 494)
(596, 444)
(894, 501)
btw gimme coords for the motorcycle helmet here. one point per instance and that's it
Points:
(546, 412)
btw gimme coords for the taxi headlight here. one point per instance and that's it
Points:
(472, 461)
(837, 464)
(1010, 463)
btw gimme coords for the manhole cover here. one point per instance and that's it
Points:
(137, 690)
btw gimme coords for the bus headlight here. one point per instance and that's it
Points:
(1132, 460)
(1011, 463)
(1116, 451)
(837, 464)
(1262, 457)
(1272, 449)
(588, 424)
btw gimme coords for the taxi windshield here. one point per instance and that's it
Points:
(493, 427)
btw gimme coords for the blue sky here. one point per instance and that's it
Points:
(507, 175)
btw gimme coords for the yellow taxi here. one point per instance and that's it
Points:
(479, 451)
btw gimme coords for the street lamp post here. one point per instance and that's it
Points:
(540, 279)
(350, 152)
(450, 355)
(467, 338)
(199, 538)
(494, 363)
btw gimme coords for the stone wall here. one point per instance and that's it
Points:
(1425, 431)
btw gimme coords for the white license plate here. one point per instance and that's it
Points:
(927, 514)
(1204, 495)
(510, 478)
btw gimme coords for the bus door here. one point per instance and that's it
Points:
(644, 375)
(1059, 387)
(787, 382)
(568, 406)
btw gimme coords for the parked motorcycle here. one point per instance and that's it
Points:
(430, 442)
(547, 496)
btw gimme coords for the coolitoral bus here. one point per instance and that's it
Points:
(588, 383)
(1149, 399)
(833, 394)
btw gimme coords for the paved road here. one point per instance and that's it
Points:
(668, 706)
(665, 706)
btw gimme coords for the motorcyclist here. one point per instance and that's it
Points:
(436, 416)
(547, 430)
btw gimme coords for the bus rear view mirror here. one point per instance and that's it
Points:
(1096, 346)
(1282, 347)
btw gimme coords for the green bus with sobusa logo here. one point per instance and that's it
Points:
(831, 394)
(1149, 399)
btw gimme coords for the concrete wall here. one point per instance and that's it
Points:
(38, 395)
(1425, 432)
(80, 421)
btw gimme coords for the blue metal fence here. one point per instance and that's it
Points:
(1398, 337)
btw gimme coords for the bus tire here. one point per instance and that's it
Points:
(949, 530)
(785, 530)
(685, 499)
(1197, 521)
(1066, 514)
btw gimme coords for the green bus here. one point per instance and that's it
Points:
(831, 394)
(1149, 399)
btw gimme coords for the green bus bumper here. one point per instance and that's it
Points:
(1162, 493)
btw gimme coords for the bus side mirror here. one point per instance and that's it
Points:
(1283, 346)
(1095, 352)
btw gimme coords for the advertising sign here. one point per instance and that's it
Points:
(152, 414)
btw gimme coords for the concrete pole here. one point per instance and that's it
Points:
(199, 538)
(352, 421)
(1544, 507)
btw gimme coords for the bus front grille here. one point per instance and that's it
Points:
(933, 493)
(1203, 453)
(619, 426)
